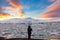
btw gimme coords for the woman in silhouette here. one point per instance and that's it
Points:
(29, 32)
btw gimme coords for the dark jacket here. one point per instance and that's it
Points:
(29, 29)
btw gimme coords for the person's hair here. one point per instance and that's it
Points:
(29, 26)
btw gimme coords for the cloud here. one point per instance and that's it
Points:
(14, 9)
(3, 15)
(14, 4)
(52, 11)
(1, 9)
(52, 0)
(21, 14)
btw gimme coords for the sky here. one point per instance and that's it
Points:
(29, 8)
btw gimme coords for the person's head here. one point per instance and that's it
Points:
(29, 26)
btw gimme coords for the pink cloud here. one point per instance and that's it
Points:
(52, 0)
(52, 11)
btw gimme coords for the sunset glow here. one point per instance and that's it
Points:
(52, 11)
(39, 9)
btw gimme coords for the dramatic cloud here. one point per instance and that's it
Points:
(21, 14)
(12, 11)
(3, 15)
(52, 11)
(14, 4)
(16, 8)
(52, 0)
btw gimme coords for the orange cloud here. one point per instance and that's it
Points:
(52, 11)
(15, 8)
(2, 15)
(21, 14)
(14, 4)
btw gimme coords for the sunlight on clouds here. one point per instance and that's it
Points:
(21, 14)
(4, 16)
(14, 11)
(14, 4)
(52, 11)
(7, 16)
(16, 8)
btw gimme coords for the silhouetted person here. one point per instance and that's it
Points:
(29, 32)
